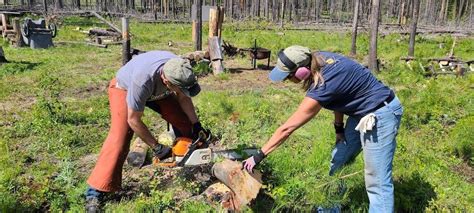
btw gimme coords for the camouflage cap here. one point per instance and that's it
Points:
(180, 73)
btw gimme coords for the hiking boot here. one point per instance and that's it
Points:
(93, 200)
(92, 205)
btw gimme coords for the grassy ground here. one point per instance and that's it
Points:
(55, 117)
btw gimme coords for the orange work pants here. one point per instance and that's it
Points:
(107, 173)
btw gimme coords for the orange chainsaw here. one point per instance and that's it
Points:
(186, 152)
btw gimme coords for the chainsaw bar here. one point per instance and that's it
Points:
(207, 155)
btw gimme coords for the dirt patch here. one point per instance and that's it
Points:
(85, 164)
(12, 103)
(240, 78)
(185, 182)
(89, 91)
(466, 171)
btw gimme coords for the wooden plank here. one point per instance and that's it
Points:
(245, 186)
(86, 43)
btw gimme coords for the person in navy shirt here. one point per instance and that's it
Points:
(337, 83)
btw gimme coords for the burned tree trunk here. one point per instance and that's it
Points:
(354, 27)
(198, 34)
(414, 21)
(374, 23)
(58, 4)
(282, 13)
(317, 10)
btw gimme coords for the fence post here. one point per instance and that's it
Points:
(125, 41)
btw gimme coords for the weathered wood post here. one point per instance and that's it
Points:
(213, 22)
(220, 21)
(197, 27)
(125, 41)
(16, 27)
(4, 24)
(214, 43)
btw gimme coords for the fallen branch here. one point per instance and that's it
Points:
(107, 22)
(85, 43)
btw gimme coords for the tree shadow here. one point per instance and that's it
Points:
(412, 194)
(260, 68)
(263, 203)
(15, 67)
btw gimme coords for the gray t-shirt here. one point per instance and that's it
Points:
(141, 78)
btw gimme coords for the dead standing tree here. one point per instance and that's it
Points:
(414, 21)
(354, 27)
(374, 23)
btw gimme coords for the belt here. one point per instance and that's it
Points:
(386, 101)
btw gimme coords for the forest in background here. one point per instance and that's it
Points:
(436, 13)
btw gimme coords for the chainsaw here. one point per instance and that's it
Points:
(188, 152)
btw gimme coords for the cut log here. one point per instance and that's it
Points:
(245, 187)
(137, 155)
(197, 56)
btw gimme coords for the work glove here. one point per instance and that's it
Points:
(198, 130)
(253, 161)
(161, 151)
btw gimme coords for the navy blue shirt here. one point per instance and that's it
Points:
(348, 87)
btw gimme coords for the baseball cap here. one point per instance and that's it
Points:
(289, 60)
(180, 73)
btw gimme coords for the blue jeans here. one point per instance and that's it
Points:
(378, 148)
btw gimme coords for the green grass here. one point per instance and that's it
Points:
(55, 112)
